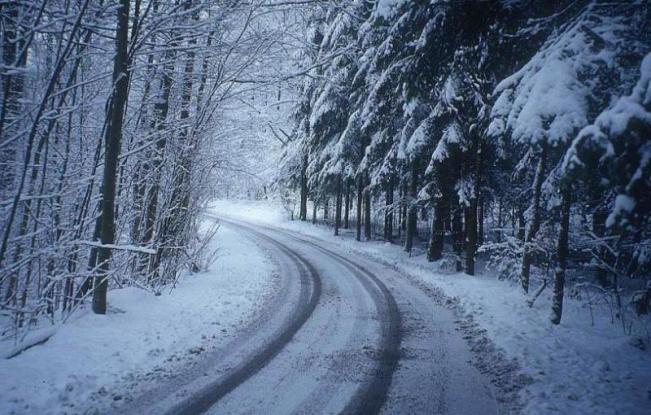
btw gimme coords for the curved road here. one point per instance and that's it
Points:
(343, 334)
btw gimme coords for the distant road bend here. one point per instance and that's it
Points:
(342, 334)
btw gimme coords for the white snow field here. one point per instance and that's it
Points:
(586, 365)
(94, 361)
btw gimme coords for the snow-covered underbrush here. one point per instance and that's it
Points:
(95, 360)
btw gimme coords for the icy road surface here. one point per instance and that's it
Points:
(342, 335)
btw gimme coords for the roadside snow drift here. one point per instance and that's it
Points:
(95, 359)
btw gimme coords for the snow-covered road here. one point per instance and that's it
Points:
(343, 334)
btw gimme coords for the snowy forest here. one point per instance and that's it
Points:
(518, 131)
(109, 113)
(505, 140)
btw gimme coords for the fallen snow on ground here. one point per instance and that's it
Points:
(575, 368)
(93, 358)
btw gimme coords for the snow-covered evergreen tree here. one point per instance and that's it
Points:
(463, 112)
(540, 108)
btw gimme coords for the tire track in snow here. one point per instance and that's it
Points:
(453, 373)
(370, 396)
(309, 298)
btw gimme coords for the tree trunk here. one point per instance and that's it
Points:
(388, 214)
(435, 248)
(559, 273)
(358, 224)
(315, 206)
(401, 216)
(87, 285)
(12, 90)
(173, 228)
(338, 206)
(35, 119)
(480, 221)
(367, 213)
(412, 209)
(347, 207)
(457, 232)
(498, 232)
(303, 208)
(535, 220)
(143, 167)
(470, 213)
(521, 223)
(113, 138)
(152, 167)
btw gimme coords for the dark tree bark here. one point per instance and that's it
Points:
(315, 206)
(326, 203)
(470, 215)
(401, 214)
(358, 224)
(521, 223)
(388, 214)
(13, 44)
(113, 138)
(338, 206)
(173, 228)
(412, 209)
(535, 220)
(146, 199)
(347, 207)
(35, 121)
(498, 231)
(457, 234)
(367, 213)
(87, 285)
(153, 166)
(435, 248)
(559, 273)
(403, 217)
(303, 208)
(480, 221)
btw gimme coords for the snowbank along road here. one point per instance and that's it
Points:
(342, 335)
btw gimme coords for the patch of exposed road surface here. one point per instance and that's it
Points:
(343, 334)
